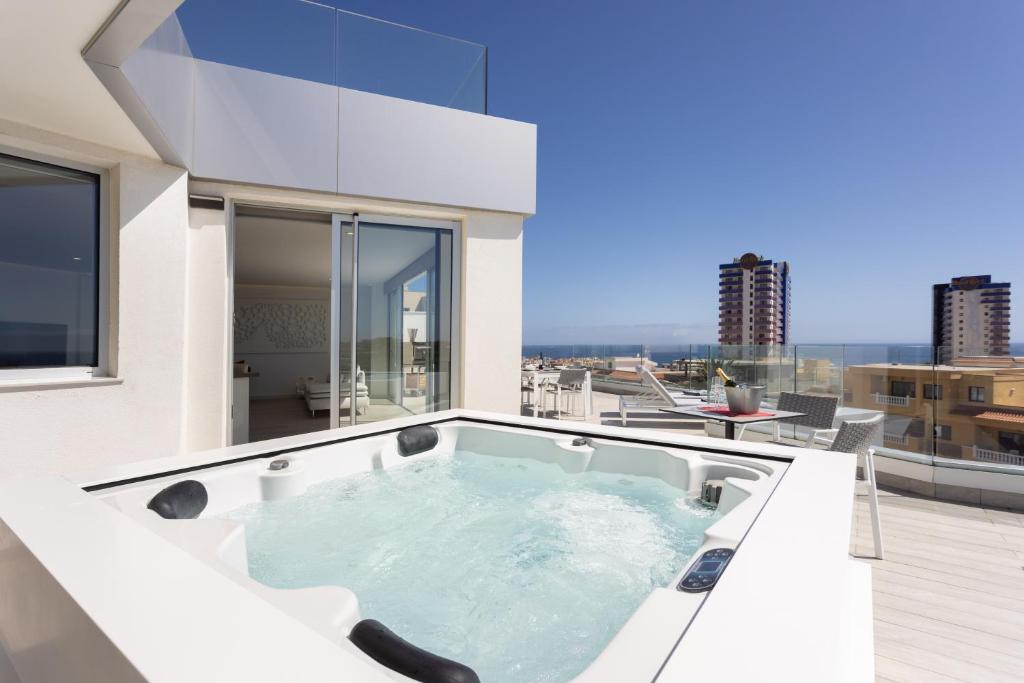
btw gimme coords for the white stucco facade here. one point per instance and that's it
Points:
(136, 410)
(163, 385)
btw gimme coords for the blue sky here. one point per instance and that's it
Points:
(876, 145)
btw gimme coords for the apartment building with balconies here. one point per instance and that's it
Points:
(753, 301)
(970, 317)
(969, 410)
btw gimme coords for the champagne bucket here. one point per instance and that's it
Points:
(744, 400)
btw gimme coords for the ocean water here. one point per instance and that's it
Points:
(510, 566)
(840, 354)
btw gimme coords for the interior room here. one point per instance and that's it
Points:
(283, 331)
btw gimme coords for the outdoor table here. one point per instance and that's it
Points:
(721, 413)
(535, 376)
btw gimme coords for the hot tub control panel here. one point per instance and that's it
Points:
(705, 572)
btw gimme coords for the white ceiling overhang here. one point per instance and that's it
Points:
(45, 84)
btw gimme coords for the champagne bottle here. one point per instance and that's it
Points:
(725, 378)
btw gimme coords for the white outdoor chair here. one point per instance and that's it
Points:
(533, 393)
(570, 384)
(526, 391)
(655, 395)
(857, 436)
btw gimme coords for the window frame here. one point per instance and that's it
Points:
(971, 394)
(935, 393)
(911, 388)
(103, 261)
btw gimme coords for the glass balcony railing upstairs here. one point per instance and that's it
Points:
(319, 43)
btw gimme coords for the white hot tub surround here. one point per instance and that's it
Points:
(108, 586)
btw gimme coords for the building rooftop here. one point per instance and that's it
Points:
(1008, 416)
(921, 367)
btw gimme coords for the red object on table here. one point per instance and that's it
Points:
(725, 412)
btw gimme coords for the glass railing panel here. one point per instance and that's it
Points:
(968, 409)
(283, 37)
(818, 369)
(399, 61)
(891, 380)
(680, 366)
(980, 415)
(770, 366)
(314, 42)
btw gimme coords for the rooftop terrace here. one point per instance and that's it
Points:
(949, 595)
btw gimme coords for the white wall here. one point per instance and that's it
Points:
(206, 395)
(262, 128)
(258, 127)
(168, 308)
(66, 428)
(401, 149)
(45, 83)
(492, 311)
(167, 392)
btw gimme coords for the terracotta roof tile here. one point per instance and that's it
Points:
(1001, 416)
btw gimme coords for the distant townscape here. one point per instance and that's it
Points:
(960, 397)
(970, 317)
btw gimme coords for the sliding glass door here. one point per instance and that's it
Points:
(282, 339)
(337, 321)
(403, 319)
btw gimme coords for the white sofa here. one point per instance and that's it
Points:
(318, 394)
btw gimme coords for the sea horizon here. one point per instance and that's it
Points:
(860, 353)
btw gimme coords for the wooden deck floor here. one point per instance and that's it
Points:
(949, 595)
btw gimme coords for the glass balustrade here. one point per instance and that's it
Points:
(316, 42)
(962, 410)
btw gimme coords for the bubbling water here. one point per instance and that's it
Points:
(508, 565)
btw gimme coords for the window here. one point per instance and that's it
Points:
(933, 392)
(904, 389)
(944, 432)
(976, 394)
(1012, 442)
(49, 255)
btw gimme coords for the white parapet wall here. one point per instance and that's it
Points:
(235, 124)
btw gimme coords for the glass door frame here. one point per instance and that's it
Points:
(385, 220)
(340, 219)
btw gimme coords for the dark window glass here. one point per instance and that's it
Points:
(1012, 442)
(905, 389)
(976, 394)
(933, 391)
(49, 275)
(944, 432)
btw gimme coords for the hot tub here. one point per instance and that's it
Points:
(465, 546)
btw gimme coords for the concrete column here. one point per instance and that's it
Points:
(492, 311)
